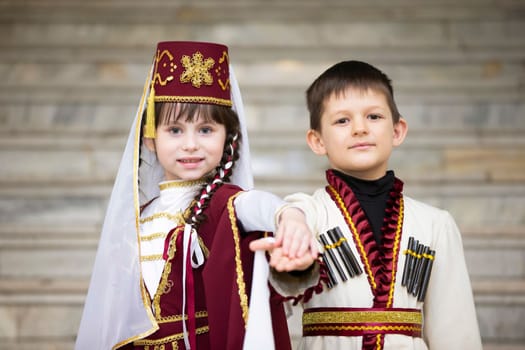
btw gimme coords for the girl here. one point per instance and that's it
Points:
(173, 269)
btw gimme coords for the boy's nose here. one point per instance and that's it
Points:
(359, 126)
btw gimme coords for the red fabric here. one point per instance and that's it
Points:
(190, 296)
(216, 284)
(379, 258)
(186, 71)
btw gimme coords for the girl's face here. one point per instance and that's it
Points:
(358, 133)
(188, 150)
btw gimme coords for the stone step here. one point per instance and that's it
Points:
(323, 24)
(261, 95)
(476, 120)
(164, 11)
(54, 307)
(49, 204)
(77, 77)
(498, 157)
(285, 54)
(29, 250)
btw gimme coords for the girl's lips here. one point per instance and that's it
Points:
(190, 162)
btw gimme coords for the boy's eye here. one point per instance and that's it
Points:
(342, 121)
(374, 116)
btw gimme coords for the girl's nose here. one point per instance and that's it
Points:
(190, 143)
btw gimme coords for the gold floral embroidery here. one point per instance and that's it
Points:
(197, 70)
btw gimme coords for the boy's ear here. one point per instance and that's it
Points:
(400, 131)
(314, 140)
(149, 143)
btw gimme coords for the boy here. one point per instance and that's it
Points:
(392, 274)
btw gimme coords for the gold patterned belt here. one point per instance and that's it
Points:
(342, 321)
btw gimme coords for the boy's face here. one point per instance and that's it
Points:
(357, 133)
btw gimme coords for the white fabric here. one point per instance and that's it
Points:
(117, 308)
(190, 246)
(172, 199)
(242, 172)
(114, 309)
(259, 316)
(449, 317)
(256, 210)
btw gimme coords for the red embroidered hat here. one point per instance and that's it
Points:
(190, 72)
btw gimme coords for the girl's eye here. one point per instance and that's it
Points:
(206, 130)
(175, 130)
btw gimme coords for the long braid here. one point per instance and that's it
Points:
(222, 174)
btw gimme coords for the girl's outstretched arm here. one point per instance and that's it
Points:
(294, 246)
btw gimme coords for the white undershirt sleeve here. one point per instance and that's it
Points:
(256, 210)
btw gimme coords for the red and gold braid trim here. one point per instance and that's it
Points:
(364, 256)
(361, 321)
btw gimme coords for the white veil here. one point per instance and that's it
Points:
(117, 308)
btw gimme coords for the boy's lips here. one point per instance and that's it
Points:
(362, 145)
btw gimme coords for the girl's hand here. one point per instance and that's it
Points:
(280, 261)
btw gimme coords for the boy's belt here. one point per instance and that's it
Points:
(342, 321)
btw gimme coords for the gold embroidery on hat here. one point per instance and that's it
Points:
(194, 99)
(226, 84)
(197, 70)
(156, 76)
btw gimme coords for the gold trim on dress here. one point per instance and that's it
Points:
(176, 184)
(177, 318)
(163, 285)
(154, 257)
(238, 262)
(171, 338)
(153, 236)
(177, 217)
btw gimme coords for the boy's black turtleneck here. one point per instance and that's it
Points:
(372, 196)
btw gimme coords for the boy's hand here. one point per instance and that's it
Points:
(294, 246)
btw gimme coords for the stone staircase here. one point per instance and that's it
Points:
(73, 73)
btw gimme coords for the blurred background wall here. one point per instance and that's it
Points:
(72, 74)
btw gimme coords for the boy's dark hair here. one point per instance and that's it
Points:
(341, 76)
